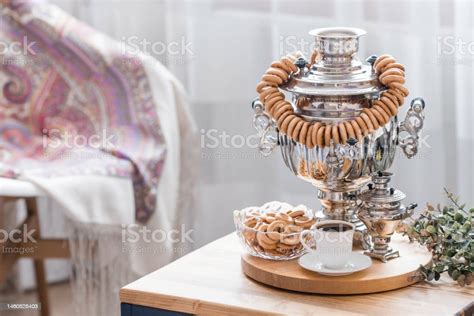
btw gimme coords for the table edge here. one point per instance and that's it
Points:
(186, 305)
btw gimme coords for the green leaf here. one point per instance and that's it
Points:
(459, 217)
(466, 226)
(439, 268)
(431, 229)
(450, 271)
(455, 275)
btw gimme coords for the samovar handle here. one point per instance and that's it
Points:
(409, 129)
(266, 129)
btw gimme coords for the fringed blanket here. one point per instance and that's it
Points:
(74, 103)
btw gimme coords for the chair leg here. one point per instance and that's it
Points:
(40, 272)
(42, 286)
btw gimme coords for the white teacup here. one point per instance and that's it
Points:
(333, 241)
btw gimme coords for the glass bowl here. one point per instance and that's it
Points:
(272, 231)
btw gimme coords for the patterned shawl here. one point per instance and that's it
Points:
(73, 102)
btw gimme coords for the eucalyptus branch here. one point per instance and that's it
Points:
(449, 234)
(454, 200)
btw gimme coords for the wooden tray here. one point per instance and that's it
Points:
(394, 274)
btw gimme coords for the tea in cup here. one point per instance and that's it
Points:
(333, 240)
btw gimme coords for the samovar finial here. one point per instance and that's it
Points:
(337, 45)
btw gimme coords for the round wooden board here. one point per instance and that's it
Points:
(380, 277)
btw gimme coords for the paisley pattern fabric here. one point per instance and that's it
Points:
(73, 102)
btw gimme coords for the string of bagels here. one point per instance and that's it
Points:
(390, 73)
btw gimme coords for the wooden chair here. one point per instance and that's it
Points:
(13, 190)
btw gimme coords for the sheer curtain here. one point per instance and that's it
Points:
(231, 43)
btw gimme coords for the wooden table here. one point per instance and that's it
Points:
(209, 281)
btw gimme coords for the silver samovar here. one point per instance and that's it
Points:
(334, 89)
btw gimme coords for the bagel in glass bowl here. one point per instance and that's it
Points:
(272, 231)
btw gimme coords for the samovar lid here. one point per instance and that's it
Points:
(337, 72)
(380, 193)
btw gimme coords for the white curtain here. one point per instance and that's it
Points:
(231, 43)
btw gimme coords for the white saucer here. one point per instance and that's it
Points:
(357, 262)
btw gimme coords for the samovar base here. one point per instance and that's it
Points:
(341, 206)
(384, 257)
(381, 250)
